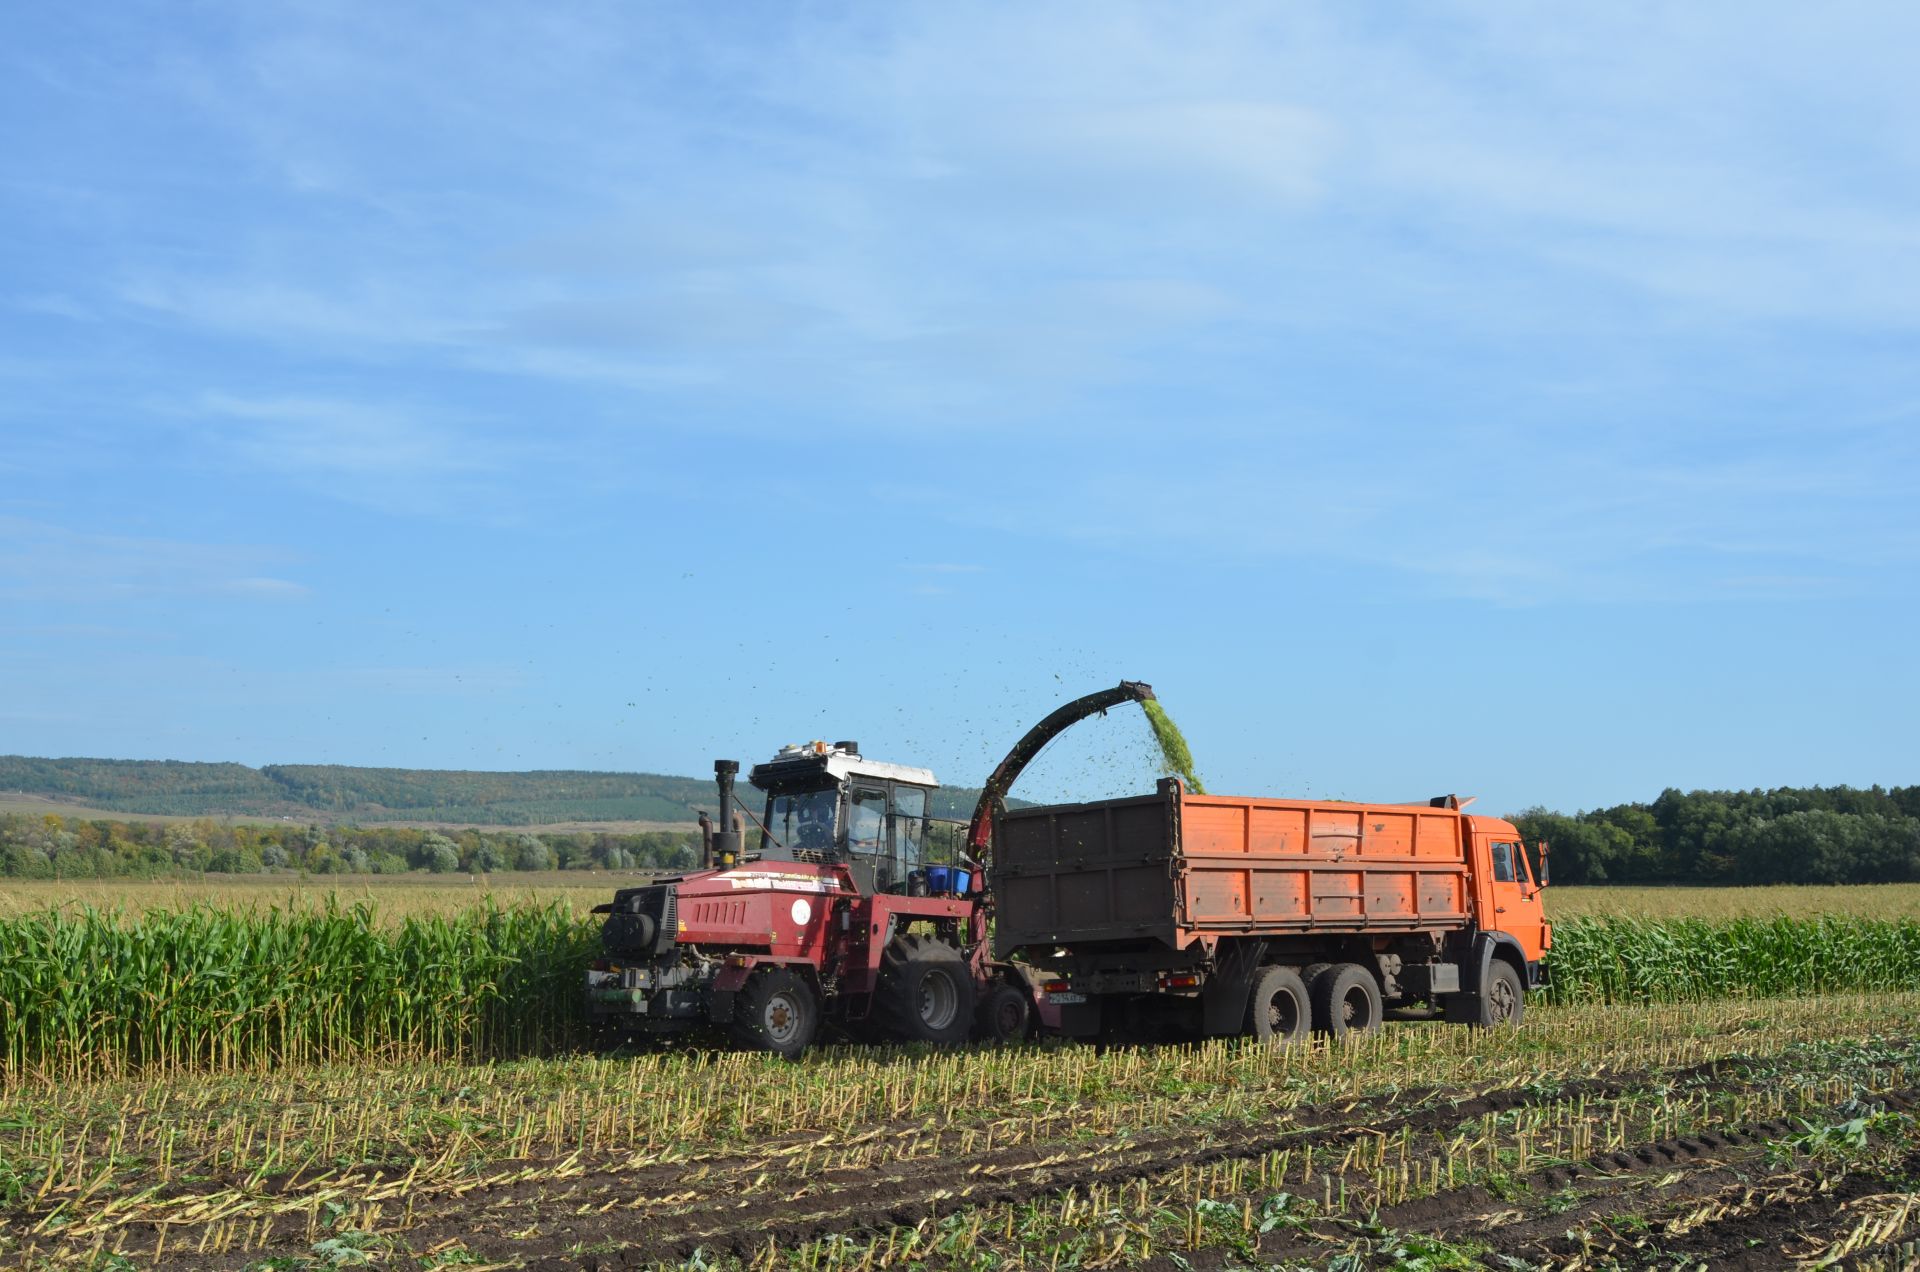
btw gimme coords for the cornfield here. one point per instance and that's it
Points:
(1610, 960)
(203, 987)
(85, 990)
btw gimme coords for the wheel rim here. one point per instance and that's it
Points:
(1356, 1012)
(1011, 1016)
(939, 1000)
(1283, 1015)
(1502, 998)
(782, 1019)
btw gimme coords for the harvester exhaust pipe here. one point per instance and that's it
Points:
(726, 836)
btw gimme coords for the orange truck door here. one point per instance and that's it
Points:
(1515, 895)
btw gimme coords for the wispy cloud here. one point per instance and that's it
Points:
(394, 457)
(42, 561)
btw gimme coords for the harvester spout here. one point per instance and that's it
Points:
(994, 794)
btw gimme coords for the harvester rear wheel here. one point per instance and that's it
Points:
(925, 992)
(776, 1011)
(1346, 999)
(1005, 1015)
(1278, 1009)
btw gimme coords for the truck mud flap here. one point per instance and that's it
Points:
(1080, 1020)
(1224, 1000)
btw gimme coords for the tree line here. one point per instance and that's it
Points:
(51, 846)
(1812, 834)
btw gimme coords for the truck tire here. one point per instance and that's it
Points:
(1278, 1009)
(925, 992)
(1006, 1014)
(1503, 999)
(1346, 999)
(776, 1011)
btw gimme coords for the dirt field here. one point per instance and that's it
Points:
(1750, 1135)
(581, 890)
(1866, 900)
(390, 894)
(37, 805)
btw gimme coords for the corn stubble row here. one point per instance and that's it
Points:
(89, 991)
(399, 1150)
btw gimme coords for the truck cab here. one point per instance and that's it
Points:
(1507, 880)
(827, 804)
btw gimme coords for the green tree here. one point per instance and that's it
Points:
(532, 853)
(486, 857)
(439, 854)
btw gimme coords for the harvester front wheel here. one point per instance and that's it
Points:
(925, 992)
(776, 1011)
(1278, 1009)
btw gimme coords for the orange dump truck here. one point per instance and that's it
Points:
(1177, 915)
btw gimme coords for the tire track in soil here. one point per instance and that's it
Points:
(1539, 1238)
(743, 1227)
(1799, 1214)
(948, 1185)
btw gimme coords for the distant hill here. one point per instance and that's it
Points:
(340, 793)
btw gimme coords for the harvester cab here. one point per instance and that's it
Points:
(821, 910)
(826, 804)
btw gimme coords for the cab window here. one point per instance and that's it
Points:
(867, 830)
(909, 828)
(1503, 863)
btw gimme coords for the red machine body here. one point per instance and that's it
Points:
(840, 913)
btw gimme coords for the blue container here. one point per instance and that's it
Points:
(940, 879)
(961, 878)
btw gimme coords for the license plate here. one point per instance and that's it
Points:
(1067, 1000)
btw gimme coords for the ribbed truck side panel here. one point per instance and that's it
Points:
(1283, 865)
(1174, 866)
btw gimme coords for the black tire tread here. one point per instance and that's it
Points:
(893, 1006)
(1264, 985)
(1330, 987)
(753, 996)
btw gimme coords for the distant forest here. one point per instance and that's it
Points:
(331, 819)
(326, 819)
(49, 846)
(1814, 834)
(336, 793)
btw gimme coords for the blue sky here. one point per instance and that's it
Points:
(1515, 401)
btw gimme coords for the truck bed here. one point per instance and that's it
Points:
(1173, 867)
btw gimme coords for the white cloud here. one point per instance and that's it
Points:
(44, 562)
(322, 437)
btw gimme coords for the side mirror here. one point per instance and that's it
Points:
(1544, 880)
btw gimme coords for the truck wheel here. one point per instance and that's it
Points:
(1345, 1000)
(1005, 1015)
(1278, 1009)
(925, 992)
(1502, 999)
(776, 1011)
